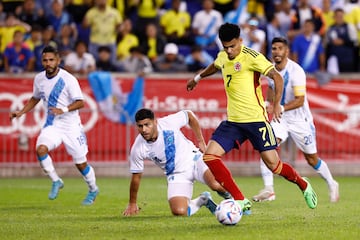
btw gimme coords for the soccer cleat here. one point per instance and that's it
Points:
(245, 206)
(208, 202)
(264, 195)
(55, 188)
(225, 195)
(310, 195)
(90, 198)
(334, 192)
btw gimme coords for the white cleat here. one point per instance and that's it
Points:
(264, 195)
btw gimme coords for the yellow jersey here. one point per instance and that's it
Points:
(245, 102)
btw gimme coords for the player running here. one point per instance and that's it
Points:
(296, 121)
(241, 68)
(62, 99)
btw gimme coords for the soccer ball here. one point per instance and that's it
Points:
(228, 212)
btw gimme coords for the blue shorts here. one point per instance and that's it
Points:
(231, 135)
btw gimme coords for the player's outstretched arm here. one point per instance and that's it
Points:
(132, 208)
(195, 126)
(209, 70)
(28, 106)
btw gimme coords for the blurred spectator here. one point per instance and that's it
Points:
(28, 13)
(352, 16)
(60, 17)
(104, 62)
(77, 9)
(328, 13)
(341, 42)
(223, 6)
(65, 40)
(153, 43)
(285, 16)
(12, 24)
(125, 7)
(103, 22)
(176, 25)
(304, 10)
(46, 39)
(18, 58)
(126, 41)
(146, 13)
(170, 61)
(256, 8)
(2, 15)
(272, 30)
(197, 59)
(307, 49)
(80, 61)
(137, 62)
(10, 6)
(253, 36)
(238, 14)
(206, 23)
(35, 37)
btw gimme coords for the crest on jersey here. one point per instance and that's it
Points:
(237, 66)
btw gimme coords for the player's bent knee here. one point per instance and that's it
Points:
(42, 150)
(179, 211)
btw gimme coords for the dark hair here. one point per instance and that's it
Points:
(144, 113)
(50, 49)
(104, 49)
(228, 32)
(280, 40)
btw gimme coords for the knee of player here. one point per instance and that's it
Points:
(41, 150)
(179, 211)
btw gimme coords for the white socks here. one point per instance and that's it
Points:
(48, 167)
(89, 177)
(195, 205)
(267, 176)
(323, 170)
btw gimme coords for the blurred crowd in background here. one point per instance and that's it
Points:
(144, 36)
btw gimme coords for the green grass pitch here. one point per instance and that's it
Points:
(26, 213)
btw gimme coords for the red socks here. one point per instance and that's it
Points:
(223, 175)
(289, 173)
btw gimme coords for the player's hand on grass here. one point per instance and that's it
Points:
(131, 209)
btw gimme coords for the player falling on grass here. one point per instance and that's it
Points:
(62, 99)
(241, 68)
(296, 121)
(162, 142)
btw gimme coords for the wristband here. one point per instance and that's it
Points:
(282, 108)
(65, 109)
(267, 103)
(197, 78)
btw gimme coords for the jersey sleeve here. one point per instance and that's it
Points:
(299, 81)
(136, 161)
(176, 120)
(261, 64)
(74, 89)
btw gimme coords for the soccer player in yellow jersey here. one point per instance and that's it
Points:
(241, 68)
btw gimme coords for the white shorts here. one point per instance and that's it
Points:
(303, 133)
(74, 140)
(181, 184)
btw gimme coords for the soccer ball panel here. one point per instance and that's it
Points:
(228, 212)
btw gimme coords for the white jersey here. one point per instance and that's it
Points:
(294, 80)
(171, 151)
(59, 91)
